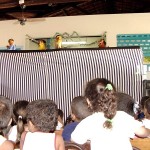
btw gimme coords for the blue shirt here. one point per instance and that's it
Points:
(68, 129)
(12, 47)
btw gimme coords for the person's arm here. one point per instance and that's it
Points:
(136, 126)
(7, 145)
(22, 140)
(85, 129)
(142, 132)
(59, 143)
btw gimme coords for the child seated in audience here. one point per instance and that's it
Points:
(125, 103)
(5, 121)
(19, 117)
(79, 111)
(106, 128)
(146, 120)
(141, 114)
(60, 124)
(42, 120)
(68, 120)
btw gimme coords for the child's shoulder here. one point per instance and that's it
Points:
(2, 139)
(6, 145)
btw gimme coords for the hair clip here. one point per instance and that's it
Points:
(109, 120)
(20, 117)
(109, 87)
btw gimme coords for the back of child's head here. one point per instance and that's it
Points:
(143, 99)
(147, 108)
(60, 113)
(100, 93)
(43, 114)
(20, 116)
(19, 110)
(5, 112)
(60, 123)
(79, 108)
(125, 103)
(93, 83)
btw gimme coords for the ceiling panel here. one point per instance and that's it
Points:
(14, 9)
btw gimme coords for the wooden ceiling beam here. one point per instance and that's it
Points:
(49, 11)
(36, 2)
(8, 5)
(81, 10)
(65, 12)
(110, 6)
(66, 1)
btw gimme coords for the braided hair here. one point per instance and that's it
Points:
(100, 92)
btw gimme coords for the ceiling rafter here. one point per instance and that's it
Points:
(65, 12)
(54, 10)
(67, 1)
(110, 6)
(85, 12)
(4, 5)
(10, 9)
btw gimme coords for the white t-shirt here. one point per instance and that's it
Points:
(12, 135)
(91, 128)
(146, 123)
(59, 126)
(2, 139)
(39, 141)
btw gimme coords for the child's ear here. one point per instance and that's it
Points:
(145, 112)
(31, 126)
(89, 103)
(73, 117)
(30, 123)
(10, 121)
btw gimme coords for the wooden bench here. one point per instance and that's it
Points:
(141, 143)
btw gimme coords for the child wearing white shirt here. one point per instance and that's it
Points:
(146, 120)
(106, 128)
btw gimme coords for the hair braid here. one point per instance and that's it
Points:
(102, 99)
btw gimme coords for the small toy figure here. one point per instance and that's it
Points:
(102, 43)
(11, 45)
(42, 44)
(58, 42)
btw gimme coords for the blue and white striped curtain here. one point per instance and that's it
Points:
(62, 75)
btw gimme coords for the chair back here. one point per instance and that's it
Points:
(75, 146)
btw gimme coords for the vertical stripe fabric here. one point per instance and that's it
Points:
(62, 75)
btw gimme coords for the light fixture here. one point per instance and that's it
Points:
(50, 4)
(21, 2)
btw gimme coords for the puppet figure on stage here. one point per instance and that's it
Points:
(102, 43)
(11, 45)
(58, 42)
(42, 44)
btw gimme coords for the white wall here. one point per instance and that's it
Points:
(84, 25)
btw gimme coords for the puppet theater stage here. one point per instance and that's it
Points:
(62, 75)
